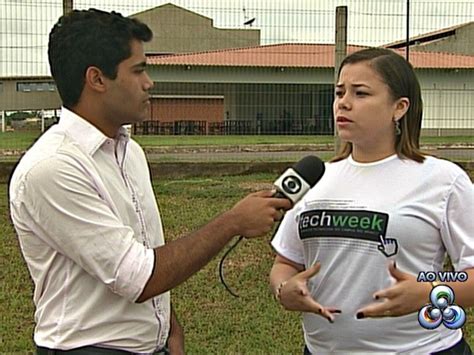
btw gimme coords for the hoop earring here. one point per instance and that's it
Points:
(398, 130)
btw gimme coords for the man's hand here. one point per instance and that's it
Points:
(295, 296)
(255, 215)
(406, 296)
(176, 337)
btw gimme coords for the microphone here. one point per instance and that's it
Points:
(296, 181)
(293, 184)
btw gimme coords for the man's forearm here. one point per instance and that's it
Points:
(176, 261)
(253, 216)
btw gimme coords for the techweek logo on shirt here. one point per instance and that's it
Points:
(356, 224)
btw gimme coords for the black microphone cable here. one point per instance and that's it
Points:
(232, 247)
(221, 267)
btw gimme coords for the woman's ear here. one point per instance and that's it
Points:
(94, 79)
(401, 108)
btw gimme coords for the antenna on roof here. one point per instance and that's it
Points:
(250, 22)
(247, 22)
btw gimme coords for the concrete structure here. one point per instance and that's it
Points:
(177, 30)
(456, 39)
(28, 93)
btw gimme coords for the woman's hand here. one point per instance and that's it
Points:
(406, 296)
(295, 296)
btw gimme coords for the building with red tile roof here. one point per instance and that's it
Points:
(299, 55)
(293, 82)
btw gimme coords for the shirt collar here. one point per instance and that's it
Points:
(89, 137)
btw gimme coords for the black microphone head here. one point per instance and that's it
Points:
(310, 168)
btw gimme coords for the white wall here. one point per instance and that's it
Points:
(448, 98)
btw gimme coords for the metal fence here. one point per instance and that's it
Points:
(282, 79)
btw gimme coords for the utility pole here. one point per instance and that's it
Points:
(340, 52)
(67, 6)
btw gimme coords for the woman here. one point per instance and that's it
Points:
(352, 249)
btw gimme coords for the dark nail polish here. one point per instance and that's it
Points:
(337, 311)
(376, 297)
(394, 264)
(330, 320)
(360, 315)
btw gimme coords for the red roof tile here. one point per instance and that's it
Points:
(298, 56)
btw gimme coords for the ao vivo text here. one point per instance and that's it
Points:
(442, 276)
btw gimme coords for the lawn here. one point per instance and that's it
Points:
(214, 321)
(22, 140)
(17, 140)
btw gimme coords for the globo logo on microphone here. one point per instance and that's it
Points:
(292, 185)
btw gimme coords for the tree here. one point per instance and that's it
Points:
(21, 115)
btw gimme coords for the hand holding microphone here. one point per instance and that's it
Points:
(255, 214)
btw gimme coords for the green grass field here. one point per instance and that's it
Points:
(214, 321)
(22, 140)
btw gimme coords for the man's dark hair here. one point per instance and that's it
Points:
(85, 38)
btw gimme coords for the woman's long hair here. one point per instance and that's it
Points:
(399, 76)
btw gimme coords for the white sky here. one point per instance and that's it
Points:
(25, 24)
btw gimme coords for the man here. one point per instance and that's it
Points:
(83, 205)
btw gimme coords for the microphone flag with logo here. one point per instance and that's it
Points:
(296, 181)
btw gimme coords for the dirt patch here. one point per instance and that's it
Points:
(256, 186)
(238, 148)
(183, 170)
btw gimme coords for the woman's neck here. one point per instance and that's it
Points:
(370, 155)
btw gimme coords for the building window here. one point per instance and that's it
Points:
(36, 86)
